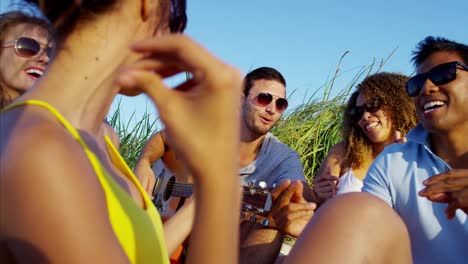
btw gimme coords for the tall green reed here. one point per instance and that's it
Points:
(133, 133)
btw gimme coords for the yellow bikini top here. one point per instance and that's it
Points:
(139, 230)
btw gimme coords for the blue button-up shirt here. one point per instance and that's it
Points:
(396, 176)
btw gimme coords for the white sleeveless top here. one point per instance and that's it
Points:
(349, 183)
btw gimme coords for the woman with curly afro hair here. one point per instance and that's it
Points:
(377, 114)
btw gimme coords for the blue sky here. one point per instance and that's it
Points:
(305, 39)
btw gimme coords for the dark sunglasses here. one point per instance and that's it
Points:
(264, 99)
(28, 47)
(440, 74)
(370, 106)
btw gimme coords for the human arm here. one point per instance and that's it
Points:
(291, 211)
(201, 117)
(376, 181)
(261, 244)
(178, 227)
(152, 151)
(52, 203)
(325, 182)
(450, 187)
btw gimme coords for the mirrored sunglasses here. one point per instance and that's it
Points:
(264, 99)
(28, 47)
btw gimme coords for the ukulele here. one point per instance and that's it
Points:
(171, 190)
(170, 193)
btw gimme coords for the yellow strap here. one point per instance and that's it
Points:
(54, 111)
(91, 156)
(123, 166)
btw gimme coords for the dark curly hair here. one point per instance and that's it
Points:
(430, 45)
(398, 107)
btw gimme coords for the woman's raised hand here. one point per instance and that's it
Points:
(202, 125)
(201, 115)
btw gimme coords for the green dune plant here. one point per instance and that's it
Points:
(133, 133)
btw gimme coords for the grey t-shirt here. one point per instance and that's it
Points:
(275, 163)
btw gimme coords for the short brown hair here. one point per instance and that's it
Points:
(262, 73)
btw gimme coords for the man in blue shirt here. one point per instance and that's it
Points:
(424, 180)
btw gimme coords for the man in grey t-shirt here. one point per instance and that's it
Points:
(264, 158)
(275, 163)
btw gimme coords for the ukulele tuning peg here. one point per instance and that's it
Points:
(262, 185)
(265, 222)
(253, 218)
(251, 185)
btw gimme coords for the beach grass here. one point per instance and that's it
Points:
(133, 133)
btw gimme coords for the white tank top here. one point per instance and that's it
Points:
(349, 183)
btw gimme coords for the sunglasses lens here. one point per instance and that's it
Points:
(356, 113)
(281, 104)
(443, 74)
(415, 84)
(27, 47)
(373, 106)
(264, 99)
(49, 51)
(370, 106)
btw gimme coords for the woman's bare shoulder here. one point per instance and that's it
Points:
(49, 178)
(38, 151)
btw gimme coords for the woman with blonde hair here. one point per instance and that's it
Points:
(26, 44)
